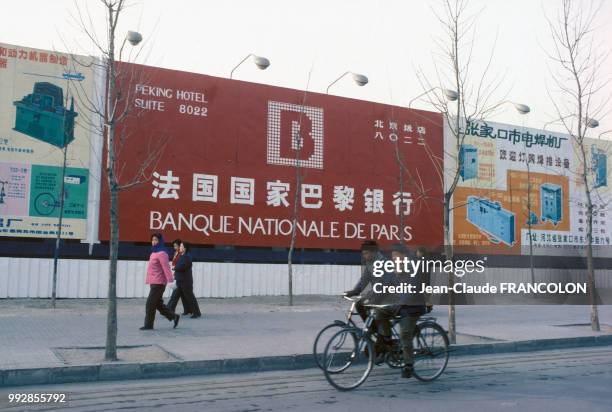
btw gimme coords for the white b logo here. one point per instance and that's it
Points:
(295, 135)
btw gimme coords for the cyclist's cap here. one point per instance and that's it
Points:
(369, 245)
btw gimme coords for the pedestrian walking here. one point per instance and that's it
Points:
(183, 275)
(158, 275)
(177, 293)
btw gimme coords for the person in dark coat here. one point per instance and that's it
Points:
(183, 277)
(176, 293)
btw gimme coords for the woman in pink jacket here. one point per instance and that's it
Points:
(158, 275)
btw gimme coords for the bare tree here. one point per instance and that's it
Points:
(471, 99)
(577, 98)
(296, 196)
(110, 115)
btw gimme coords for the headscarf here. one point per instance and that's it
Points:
(160, 247)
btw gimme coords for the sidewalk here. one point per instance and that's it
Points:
(249, 327)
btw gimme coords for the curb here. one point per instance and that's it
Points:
(125, 371)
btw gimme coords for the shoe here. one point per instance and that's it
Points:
(186, 313)
(176, 321)
(145, 328)
(407, 372)
(195, 316)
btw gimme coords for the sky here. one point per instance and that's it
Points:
(311, 43)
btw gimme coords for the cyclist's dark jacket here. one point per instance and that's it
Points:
(366, 279)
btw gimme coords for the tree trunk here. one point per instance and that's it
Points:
(590, 269)
(448, 251)
(111, 318)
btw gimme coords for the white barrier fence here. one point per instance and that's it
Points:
(32, 278)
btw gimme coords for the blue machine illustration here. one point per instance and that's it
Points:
(42, 115)
(600, 167)
(490, 218)
(468, 162)
(552, 208)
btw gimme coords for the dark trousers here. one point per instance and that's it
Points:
(184, 291)
(408, 326)
(156, 302)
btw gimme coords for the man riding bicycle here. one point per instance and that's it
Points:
(409, 306)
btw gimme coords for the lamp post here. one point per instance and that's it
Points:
(359, 79)
(262, 63)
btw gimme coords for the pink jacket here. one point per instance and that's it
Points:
(158, 269)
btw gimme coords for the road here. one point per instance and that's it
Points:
(563, 380)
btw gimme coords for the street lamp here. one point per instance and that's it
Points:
(359, 79)
(449, 94)
(589, 121)
(519, 107)
(262, 63)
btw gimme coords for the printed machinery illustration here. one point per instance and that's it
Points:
(600, 167)
(468, 162)
(552, 208)
(491, 219)
(42, 115)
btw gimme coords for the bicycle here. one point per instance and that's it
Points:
(351, 348)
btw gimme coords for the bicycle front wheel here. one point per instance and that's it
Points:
(430, 351)
(324, 335)
(348, 359)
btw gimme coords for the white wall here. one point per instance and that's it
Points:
(29, 277)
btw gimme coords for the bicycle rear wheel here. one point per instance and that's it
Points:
(318, 348)
(430, 351)
(348, 359)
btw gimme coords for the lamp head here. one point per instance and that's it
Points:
(261, 62)
(451, 95)
(360, 79)
(134, 37)
(522, 108)
(591, 123)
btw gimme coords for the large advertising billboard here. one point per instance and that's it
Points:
(242, 161)
(40, 118)
(513, 179)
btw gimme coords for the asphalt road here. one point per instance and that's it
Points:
(564, 380)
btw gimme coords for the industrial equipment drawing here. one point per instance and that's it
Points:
(551, 205)
(491, 219)
(600, 167)
(42, 115)
(468, 162)
(46, 203)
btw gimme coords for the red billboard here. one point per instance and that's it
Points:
(242, 159)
